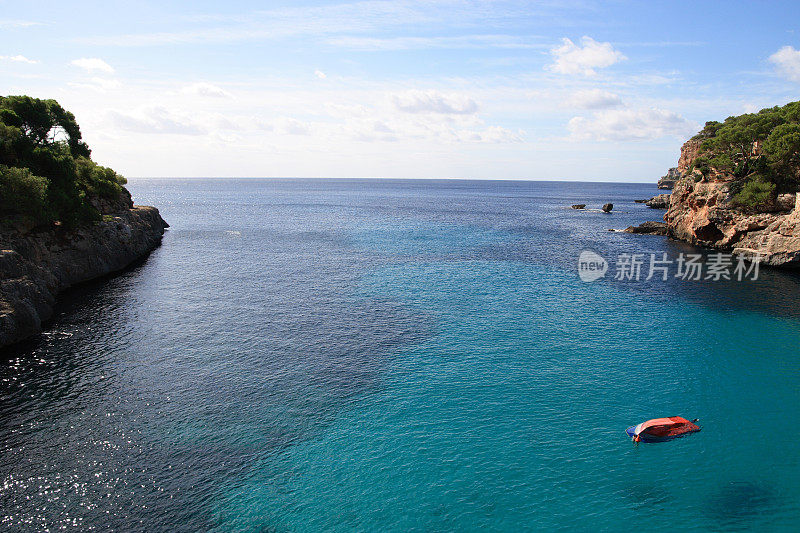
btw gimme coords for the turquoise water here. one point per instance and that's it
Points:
(512, 416)
(402, 356)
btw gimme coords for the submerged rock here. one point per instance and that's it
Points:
(578, 206)
(608, 207)
(36, 265)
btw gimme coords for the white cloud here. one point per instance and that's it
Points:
(18, 23)
(370, 131)
(350, 18)
(18, 59)
(222, 122)
(434, 128)
(570, 58)
(460, 42)
(594, 99)
(434, 102)
(262, 125)
(631, 125)
(653, 78)
(206, 89)
(154, 120)
(346, 17)
(92, 64)
(294, 127)
(787, 62)
(321, 75)
(346, 110)
(498, 134)
(98, 84)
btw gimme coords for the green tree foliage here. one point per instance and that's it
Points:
(782, 147)
(42, 152)
(22, 192)
(709, 130)
(98, 181)
(702, 164)
(759, 151)
(755, 193)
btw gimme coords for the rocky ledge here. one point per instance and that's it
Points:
(648, 228)
(658, 202)
(668, 181)
(36, 265)
(701, 212)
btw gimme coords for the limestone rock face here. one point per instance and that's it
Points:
(660, 201)
(36, 266)
(779, 241)
(689, 152)
(701, 213)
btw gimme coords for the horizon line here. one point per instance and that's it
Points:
(378, 178)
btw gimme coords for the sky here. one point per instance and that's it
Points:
(558, 90)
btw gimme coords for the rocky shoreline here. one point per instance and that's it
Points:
(701, 212)
(35, 266)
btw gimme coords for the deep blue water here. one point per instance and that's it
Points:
(384, 355)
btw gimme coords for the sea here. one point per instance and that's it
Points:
(406, 355)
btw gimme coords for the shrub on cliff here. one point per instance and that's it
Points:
(759, 152)
(41, 144)
(99, 180)
(755, 194)
(23, 193)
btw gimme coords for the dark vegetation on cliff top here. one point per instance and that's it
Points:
(46, 173)
(758, 152)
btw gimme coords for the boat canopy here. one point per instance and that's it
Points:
(668, 421)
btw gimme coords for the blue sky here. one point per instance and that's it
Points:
(577, 90)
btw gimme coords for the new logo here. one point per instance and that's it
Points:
(591, 266)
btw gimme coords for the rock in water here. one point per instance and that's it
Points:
(578, 206)
(607, 208)
(658, 202)
(648, 228)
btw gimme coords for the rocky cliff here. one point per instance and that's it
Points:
(701, 212)
(36, 265)
(668, 180)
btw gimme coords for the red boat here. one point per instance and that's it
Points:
(661, 429)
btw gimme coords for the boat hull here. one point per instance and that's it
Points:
(645, 437)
